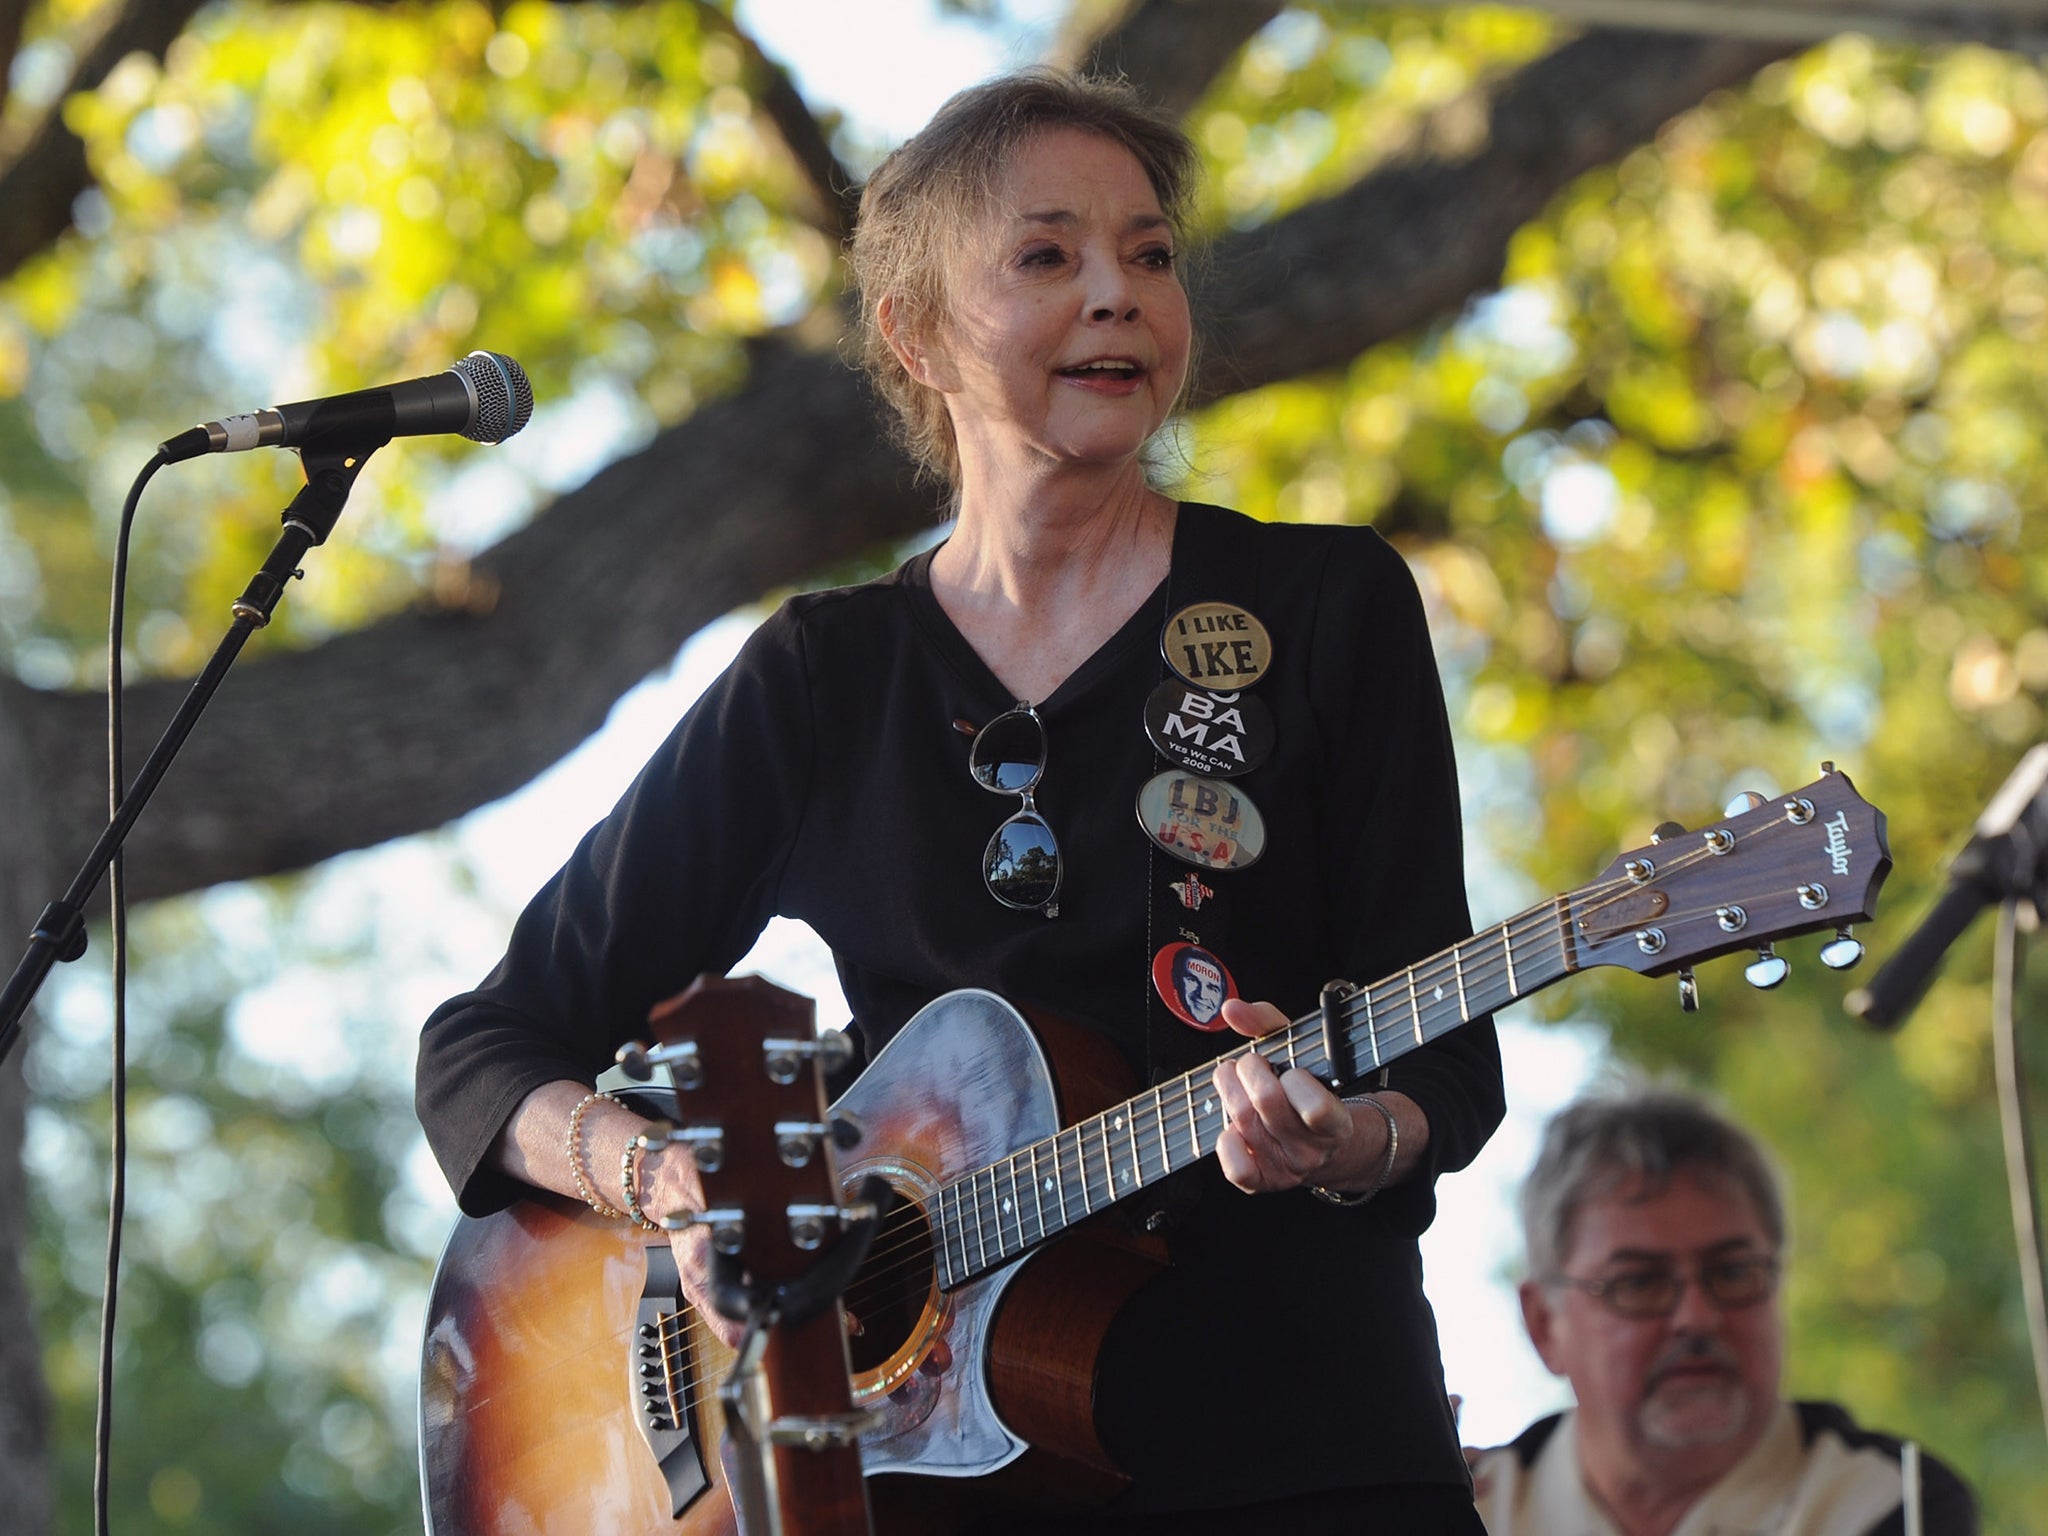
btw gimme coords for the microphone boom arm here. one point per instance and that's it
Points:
(59, 933)
(2006, 860)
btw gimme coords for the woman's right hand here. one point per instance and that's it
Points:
(669, 1186)
(544, 1133)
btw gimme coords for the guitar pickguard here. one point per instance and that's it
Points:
(962, 1083)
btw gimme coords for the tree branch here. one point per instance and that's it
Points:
(43, 177)
(12, 14)
(419, 718)
(2020, 25)
(1172, 50)
(835, 187)
(427, 714)
(1417, 238)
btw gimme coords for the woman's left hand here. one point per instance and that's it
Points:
(1287, 1129)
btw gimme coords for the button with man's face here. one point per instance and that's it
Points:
(1193, 984)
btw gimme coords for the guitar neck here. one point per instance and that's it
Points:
(1003, 1210)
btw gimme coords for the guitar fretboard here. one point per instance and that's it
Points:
(999, 1212)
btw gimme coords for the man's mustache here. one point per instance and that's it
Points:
(1692, 1350)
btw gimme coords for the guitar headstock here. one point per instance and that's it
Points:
(1813, 858)
(749, 1070)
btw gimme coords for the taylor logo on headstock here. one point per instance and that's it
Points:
(1838, 841)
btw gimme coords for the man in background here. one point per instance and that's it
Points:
(1656, 1234)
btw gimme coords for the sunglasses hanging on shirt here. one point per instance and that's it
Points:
(1021, 865)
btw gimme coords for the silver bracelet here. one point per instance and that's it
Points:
(1341, 1197)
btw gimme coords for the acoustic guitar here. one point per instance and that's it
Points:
(998, 1136)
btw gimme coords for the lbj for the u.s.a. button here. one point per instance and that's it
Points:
(1206, 822)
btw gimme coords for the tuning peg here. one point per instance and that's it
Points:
(706, 1143)
(783, 1059)
(1767, 970)
(728, 1226)
(795, 1143)
(1666, 829)
(1688, 992)
(1842, 951)
(1743, 803)
(846, 1131)
(639, 1061)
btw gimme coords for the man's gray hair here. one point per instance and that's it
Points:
(1593, 1147)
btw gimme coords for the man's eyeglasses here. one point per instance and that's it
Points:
(1022, 862)
(1730, 1284)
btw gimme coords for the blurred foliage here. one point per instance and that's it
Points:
(1725, 479)
(282, 1214)
(311, 198)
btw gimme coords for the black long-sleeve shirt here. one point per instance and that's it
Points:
(1289, 1347)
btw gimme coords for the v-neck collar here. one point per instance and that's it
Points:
(1141, 626)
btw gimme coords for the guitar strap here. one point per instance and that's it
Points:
(1215, 560)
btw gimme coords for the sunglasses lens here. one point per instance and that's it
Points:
(1022, 865)
(1009, 753)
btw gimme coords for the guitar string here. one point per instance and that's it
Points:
(1173, 1146)
(913, 1234)
(901, 1264)
(925, 1283)
(1483, 976)
(909, 1237)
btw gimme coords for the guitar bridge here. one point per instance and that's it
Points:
(661, 1376)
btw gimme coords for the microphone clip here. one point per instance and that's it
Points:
(330, 475)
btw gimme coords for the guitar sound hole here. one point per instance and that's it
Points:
(891, 1294)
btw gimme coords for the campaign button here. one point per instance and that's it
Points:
(1219, 734)
(1208, 823)
(1193, 984)
(1218, 646)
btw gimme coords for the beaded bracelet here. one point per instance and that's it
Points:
(629, 1180)
(1341, 1197)
(574, 1147)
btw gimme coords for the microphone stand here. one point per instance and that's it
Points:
(2005, 860)
(2017, 1133)
(2005, 863)
(59, 933)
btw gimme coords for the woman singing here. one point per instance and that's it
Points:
(1094, 730)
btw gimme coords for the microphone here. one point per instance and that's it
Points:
(2002, 860)
(485, 397)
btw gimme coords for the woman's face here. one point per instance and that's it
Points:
(1066, 333)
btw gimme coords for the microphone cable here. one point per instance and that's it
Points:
(117, 1188)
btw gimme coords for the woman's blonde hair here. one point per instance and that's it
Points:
(919, 207)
